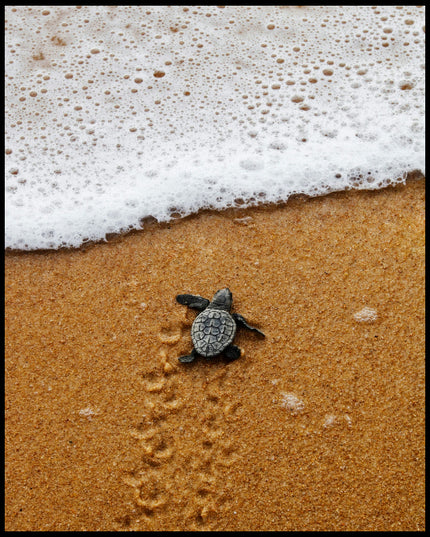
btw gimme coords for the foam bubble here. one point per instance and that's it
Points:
(115, 113)
(366, 315)
(290, 401)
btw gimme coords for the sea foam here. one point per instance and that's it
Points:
(115, 113)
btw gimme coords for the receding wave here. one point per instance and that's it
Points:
(115, 114)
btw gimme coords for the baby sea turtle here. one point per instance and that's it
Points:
(213, 330)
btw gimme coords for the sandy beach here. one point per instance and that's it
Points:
(319, 426)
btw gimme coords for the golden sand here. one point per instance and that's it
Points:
(320, 426)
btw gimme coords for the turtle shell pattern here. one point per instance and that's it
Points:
(212, 331)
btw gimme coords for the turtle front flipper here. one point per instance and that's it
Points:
(242, 322)
(193, 301)
(189, 358)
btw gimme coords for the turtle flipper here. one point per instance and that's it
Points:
(193, 301)
(232, 352)
(242, 322)
(189, 357)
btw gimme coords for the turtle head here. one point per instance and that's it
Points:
(222, 300)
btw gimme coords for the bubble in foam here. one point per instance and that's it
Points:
(116, 113)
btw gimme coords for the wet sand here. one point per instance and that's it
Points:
(320, 426)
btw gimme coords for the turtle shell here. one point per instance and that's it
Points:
(212, 331)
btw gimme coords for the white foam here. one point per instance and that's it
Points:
(366, 315)
(291, 402)
(117, 113)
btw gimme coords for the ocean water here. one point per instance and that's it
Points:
(115, 114)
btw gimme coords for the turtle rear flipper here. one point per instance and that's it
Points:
(189, 358)
(232, 352)
(242, 322)
(193, 301)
